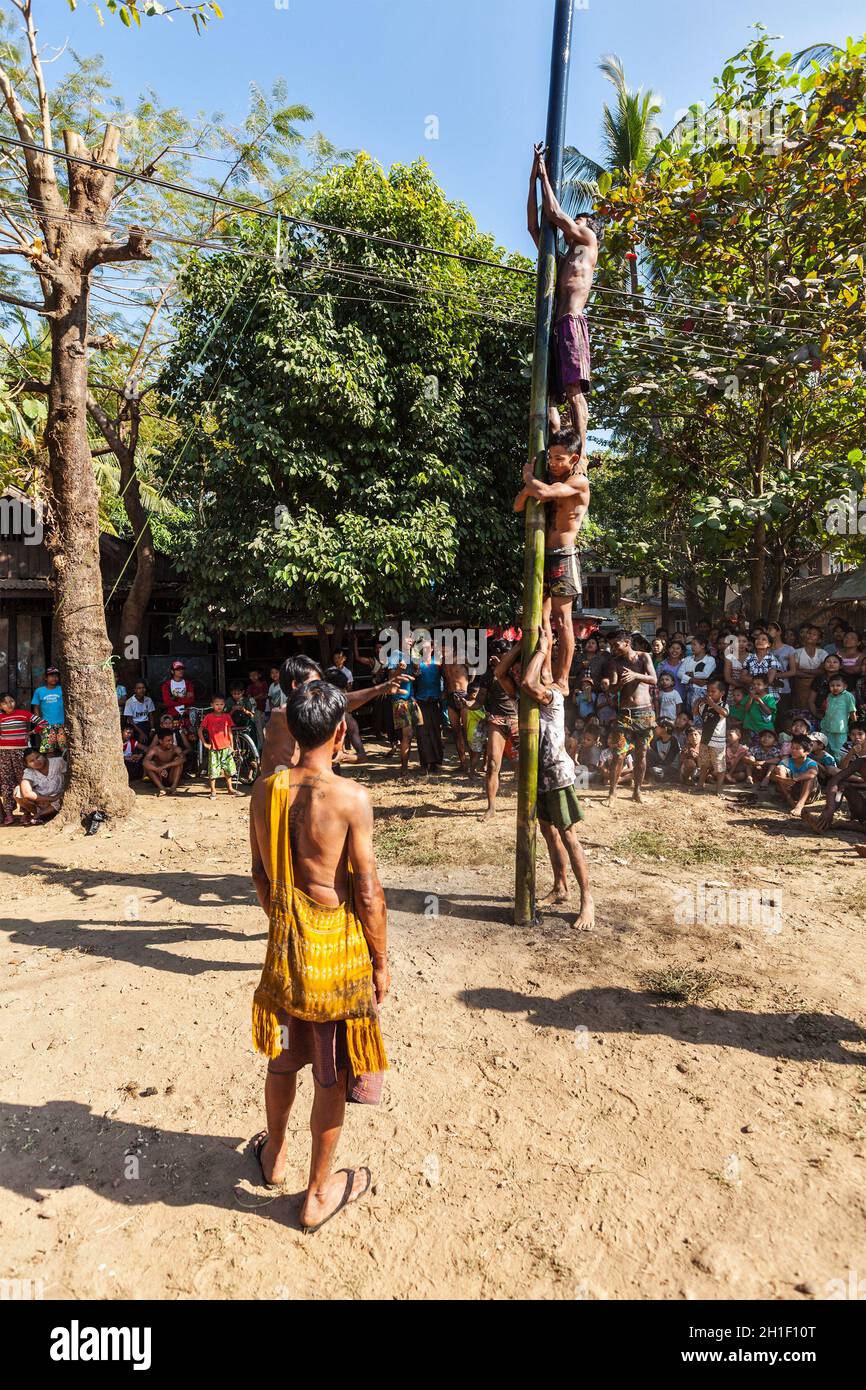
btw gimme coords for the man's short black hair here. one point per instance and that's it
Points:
(802, 741)
(592, 222)
(564, 439)
(619, 635)
(313, 712)
(296, 670)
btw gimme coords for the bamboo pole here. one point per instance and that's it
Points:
(533, 562)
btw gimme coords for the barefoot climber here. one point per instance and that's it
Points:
(570, 356)
(326, 968)
(559, 810)
(566, 499)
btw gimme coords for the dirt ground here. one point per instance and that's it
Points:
(555, 1125)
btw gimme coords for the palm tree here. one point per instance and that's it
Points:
(630, 138)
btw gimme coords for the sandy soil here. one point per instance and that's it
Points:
(553, 1127)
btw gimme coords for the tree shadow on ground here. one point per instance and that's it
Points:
(796, 1036)
(136, 943)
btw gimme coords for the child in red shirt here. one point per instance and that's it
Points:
(16, 726)
(215, 734)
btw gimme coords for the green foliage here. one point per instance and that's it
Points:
(739, 393)
(354, 441)
(131, 12)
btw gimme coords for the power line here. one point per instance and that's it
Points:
(222, 201)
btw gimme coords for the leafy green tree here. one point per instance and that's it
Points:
(329, 469)
(61, 231)
(742, 386)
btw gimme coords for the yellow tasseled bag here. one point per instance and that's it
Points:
(318, 965)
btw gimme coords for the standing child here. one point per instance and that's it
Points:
(669, 701)
(839, 713)
(714, 715)
(215, 734)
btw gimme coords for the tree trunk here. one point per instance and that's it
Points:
(98, 779)
(665, 603)
(136, 602)
(775, 593)
(757, 572)
(693, 602)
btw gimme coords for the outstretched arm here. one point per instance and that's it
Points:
(574, 233)
(369, 897)
(356, 698)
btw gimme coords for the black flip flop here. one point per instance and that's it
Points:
(344, 1200)
(258, 1150)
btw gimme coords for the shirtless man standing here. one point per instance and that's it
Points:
(570, 367)
(279, 748)
(567, 496)
(631, 675)
(311, 833)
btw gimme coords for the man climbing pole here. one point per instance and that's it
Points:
(570, 365)
(547, 307)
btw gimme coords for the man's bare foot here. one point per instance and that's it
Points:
(585, 919)
(231, 791)
(814, 821)
(556, 895)
(636, 796)
(488, 814)
(273, 1165)
(326, 1201)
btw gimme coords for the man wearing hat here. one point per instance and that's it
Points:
(178, 694)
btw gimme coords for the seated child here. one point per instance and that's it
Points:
(133, 752)
(764, 755)
(796, 776)
(589, 752)
(663, 752)
(690, 762)
(818, 750)
(682, 725)
(616, 746)
(736, 756)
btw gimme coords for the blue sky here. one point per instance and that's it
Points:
(373, 71)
